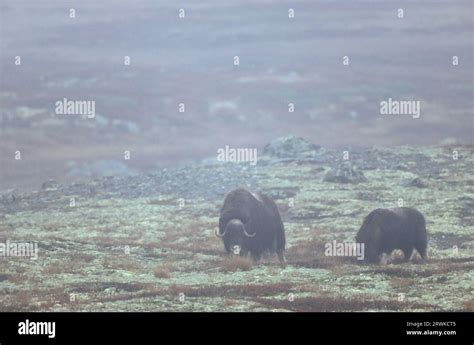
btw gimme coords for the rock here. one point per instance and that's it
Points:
(345, 173)
(281, 193)
(8, 199)
(50, 185)
(442, 279)
(110, 290)
(11, 197)
(401, 166)
(290, 147)
(367, 195)
(418, 183)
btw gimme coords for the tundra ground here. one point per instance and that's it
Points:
(147, 243)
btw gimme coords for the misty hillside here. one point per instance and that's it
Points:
(146, 242)
(190, 61)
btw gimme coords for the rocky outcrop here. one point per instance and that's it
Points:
(291, 147)
(345, 173)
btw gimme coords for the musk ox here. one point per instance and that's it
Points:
(385, 230)
(251, 223)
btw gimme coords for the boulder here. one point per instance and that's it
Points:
(418, 183)
(345, 173)
(290, 147)
(50, 185)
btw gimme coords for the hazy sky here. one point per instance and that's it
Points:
(170, 88)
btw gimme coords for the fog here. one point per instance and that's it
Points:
(167, 87)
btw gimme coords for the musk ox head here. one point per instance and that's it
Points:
(369, 234)
(251, 224)
(235, 231)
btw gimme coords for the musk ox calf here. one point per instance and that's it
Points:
(385, 230)
(251, 223)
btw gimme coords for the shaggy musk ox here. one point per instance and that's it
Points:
(385, 230)
(251, 223)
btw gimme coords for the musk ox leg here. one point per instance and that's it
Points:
(279, 249)
(383, 259)
(280, 244)
(280, 238)
(407, 253)
(256, 257)
(421, 247)
(281, 257)
(421, 242)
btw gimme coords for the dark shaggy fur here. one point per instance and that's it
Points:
(385, 230)
(258, 216)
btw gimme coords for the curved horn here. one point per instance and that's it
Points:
(245, 231)
(249, 235)
(218, 234)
